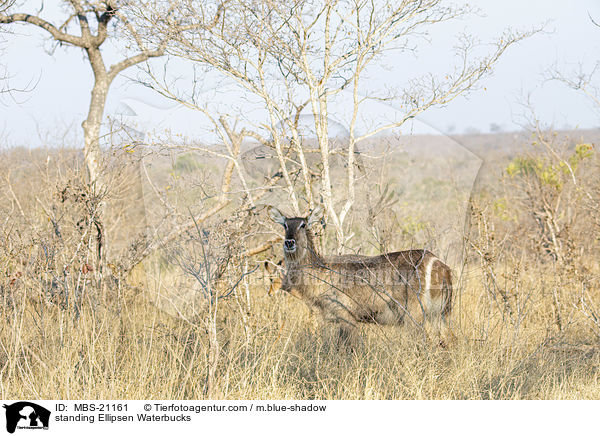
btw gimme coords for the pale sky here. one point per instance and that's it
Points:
(58, 102)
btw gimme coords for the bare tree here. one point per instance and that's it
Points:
(205, 255)
(88, 25)
(584, 185)
(231, 193)
(302, 55)
(583, 80)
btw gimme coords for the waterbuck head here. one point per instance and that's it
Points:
(298, 239)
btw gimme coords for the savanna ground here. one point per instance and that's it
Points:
(524, 318)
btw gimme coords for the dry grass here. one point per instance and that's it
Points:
(117, 342)
(127, 348)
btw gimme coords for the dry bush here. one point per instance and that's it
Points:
(121, 344)
(50, 239)
(534, 236)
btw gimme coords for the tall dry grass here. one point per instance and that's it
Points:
(130, 349)
(65, 333)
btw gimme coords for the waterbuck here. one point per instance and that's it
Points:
(391, 288)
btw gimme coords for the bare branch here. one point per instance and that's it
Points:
(86, 34)
(5, 4)
(43, 24)
(303, 54)
(134, 60)
(592, 20)
(578, 80)
(103, 21)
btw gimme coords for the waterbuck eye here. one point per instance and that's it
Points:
(285, 226)
(301, 225)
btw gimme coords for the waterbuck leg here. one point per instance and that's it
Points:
(339, 319)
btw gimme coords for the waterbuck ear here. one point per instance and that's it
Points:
(269, 267)
(315, 216)
(276, 216)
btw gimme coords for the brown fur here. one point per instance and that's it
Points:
(387, 289)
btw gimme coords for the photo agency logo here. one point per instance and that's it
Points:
(27, 416)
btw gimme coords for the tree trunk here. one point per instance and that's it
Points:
(213, 350)
(91, 131)
(93, 157)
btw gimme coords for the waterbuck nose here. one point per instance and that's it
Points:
(290, 244)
